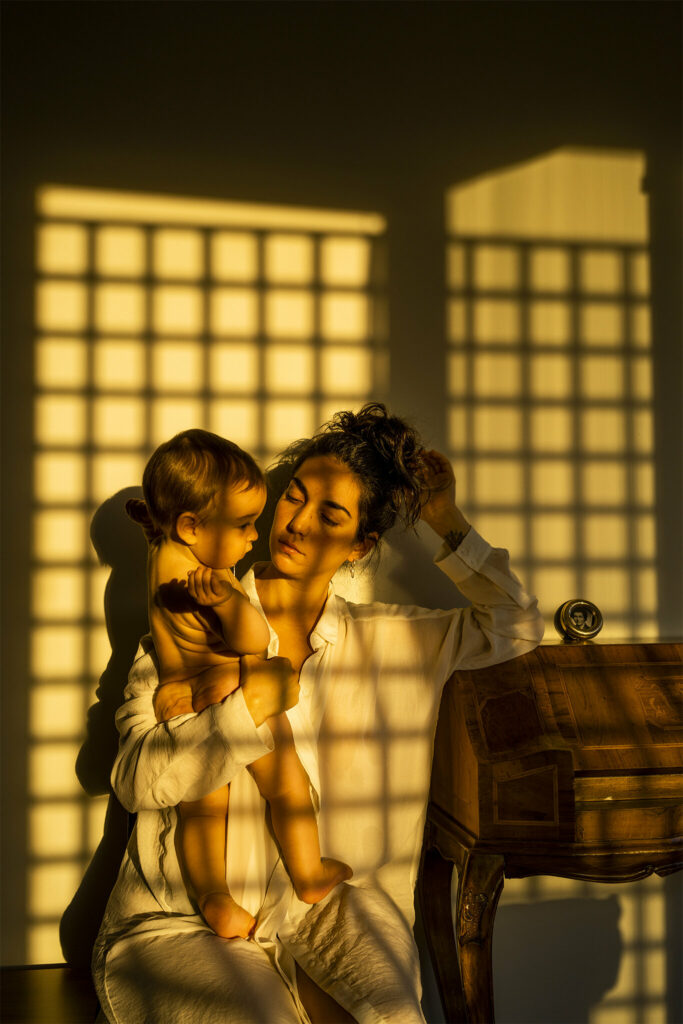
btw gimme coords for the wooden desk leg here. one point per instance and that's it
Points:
(435, 899)
(480, 884)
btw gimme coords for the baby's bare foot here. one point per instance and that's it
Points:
(226, 917)
(331, 873)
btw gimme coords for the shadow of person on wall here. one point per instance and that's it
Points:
(120, 544)
(568, 968)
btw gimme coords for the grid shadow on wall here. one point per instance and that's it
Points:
(550, 396)
(550, 403)
(155, 314)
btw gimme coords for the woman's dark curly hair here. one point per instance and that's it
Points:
(382, 451)
(186, 474)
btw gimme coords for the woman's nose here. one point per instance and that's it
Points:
(300, 521)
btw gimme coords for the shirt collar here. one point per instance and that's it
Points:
(327, 626)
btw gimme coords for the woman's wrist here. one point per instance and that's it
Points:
(450, 524)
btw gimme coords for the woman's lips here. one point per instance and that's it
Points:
(287, 547)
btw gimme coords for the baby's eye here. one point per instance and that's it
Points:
(290, 496)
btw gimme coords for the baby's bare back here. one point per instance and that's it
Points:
(195, 666)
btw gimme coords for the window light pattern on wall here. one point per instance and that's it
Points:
(550, 378)
(551, 430)
(155, 314)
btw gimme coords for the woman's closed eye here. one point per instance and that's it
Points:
(330, 522)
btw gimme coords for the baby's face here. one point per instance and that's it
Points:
(228, 532)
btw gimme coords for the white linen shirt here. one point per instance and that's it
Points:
(363, 729)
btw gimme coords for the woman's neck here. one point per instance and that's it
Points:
(297, 600)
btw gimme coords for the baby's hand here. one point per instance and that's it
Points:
(210, 586)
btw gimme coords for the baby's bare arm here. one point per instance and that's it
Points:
(243, 627)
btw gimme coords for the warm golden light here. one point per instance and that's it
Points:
(169, 415)
(345, 261)
(56, 710)
(289, 314)
(59, 478)
(284, 419)
(289, 369)
(233, 367)
(289, 259)
(177, 310)
(549, 322)
(59, 535)
(119, 307)
(237, 419)
(496, 267)
(58, 594)
(113, 472)
(178, 254)
(118, 422)
(61, 305)
(55, 830)
(62, 249)
(234, 256)
(154, 314)
(639, 990)
(177, 366)
(60, 419)
(120, 252)
(93, 204)
(551, 376)
(234, 311)
(344, 371)
(119, 364)
(548, 332)
(51, 770)
(497, 375)
(61, 363)
(569, 195)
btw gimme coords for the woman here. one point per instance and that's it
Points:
(370, 679)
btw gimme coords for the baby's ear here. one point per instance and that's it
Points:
(186, 527)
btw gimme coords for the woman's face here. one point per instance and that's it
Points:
(316, 520)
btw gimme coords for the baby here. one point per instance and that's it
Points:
(203, 496)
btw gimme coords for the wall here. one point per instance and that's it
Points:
(379, 108)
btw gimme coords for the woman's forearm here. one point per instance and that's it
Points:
(450, 524)
(161, 763)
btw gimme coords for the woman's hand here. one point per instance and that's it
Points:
(210, 587)
(438, 484)
(269, 686)
(438, 499)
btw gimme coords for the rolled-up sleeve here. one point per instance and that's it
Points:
(502, 622)
(159, 764)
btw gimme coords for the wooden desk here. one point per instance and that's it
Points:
(567, 761)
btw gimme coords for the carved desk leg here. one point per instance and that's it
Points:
(480, 884)
(435, 900)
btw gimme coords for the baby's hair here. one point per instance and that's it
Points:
(383, 452)
(186, 474)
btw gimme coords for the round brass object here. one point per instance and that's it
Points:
(578, 620)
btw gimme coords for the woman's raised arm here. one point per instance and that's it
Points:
(159, 764)
(503, 620)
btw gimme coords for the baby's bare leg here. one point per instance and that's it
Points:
(202, 848)
(283, 782)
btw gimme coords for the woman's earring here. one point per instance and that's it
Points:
(352, 570)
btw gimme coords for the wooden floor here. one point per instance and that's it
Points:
(52, 994)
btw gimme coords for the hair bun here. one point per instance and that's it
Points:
(137, 510)
(397, 447)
